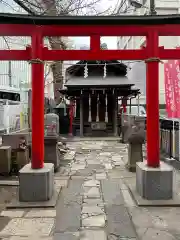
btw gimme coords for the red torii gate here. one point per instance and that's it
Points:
(38, 27)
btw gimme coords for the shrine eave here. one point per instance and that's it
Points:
(9, 18)
(98, 82)
(72, 92)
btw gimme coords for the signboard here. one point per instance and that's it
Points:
(169, 93)
(172, 88)
(172, 91)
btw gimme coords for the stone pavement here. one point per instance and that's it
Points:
(94, 203)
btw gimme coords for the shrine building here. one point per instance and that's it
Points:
(94, 89)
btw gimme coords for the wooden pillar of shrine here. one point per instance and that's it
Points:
(115, 108)
(81, 116)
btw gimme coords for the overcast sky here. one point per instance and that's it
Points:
(111, 41)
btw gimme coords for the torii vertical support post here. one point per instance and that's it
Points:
(36, 181)
(154, 181)
(152, 100)
(37, 103)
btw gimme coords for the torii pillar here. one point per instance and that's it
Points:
(36, 180)
(154, 179)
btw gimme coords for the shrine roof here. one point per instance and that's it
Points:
(9, 18)
(97, 67)
(98, 82)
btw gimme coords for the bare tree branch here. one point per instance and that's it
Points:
(65, 7)
(27, 9)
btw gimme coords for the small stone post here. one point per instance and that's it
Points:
(5, 159)
(135, 153)
(51, 139)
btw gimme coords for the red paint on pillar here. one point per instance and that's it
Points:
(124, 107)
(95, 42)
(37, 160)
(152, 101)
(124, 104)
(71, 116)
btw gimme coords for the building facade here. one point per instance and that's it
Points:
(137, 70)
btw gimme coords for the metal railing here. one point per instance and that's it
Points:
(169, 134)
(169, 138)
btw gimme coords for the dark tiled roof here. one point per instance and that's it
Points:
(89, 20)
(115, 67)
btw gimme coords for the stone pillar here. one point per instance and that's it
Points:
(135, 152)
(22, 158)
(5, 163)
(115, 115)
(51, 151)
(81, 117)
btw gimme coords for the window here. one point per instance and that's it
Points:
(9, 96)
(134, 110)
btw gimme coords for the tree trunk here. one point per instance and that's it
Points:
(58, 80)
(55, 43)
(57, 68)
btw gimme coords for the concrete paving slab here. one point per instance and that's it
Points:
(41, 213)
(128, 200)
(94, 221)
(72, 194)
(101, 176)
(66, 236)
(12, 214)
(91, 183)
(29, 238)
(28, 227)
(61, 183)
(141, 202)
(93, 202)
(92, 210)
(157, 234)
(111, 192)
(9, 183)
(119, 222)
(15, 204)
(68, 218)
(93, 235)
(91, 192)
(3, 222)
